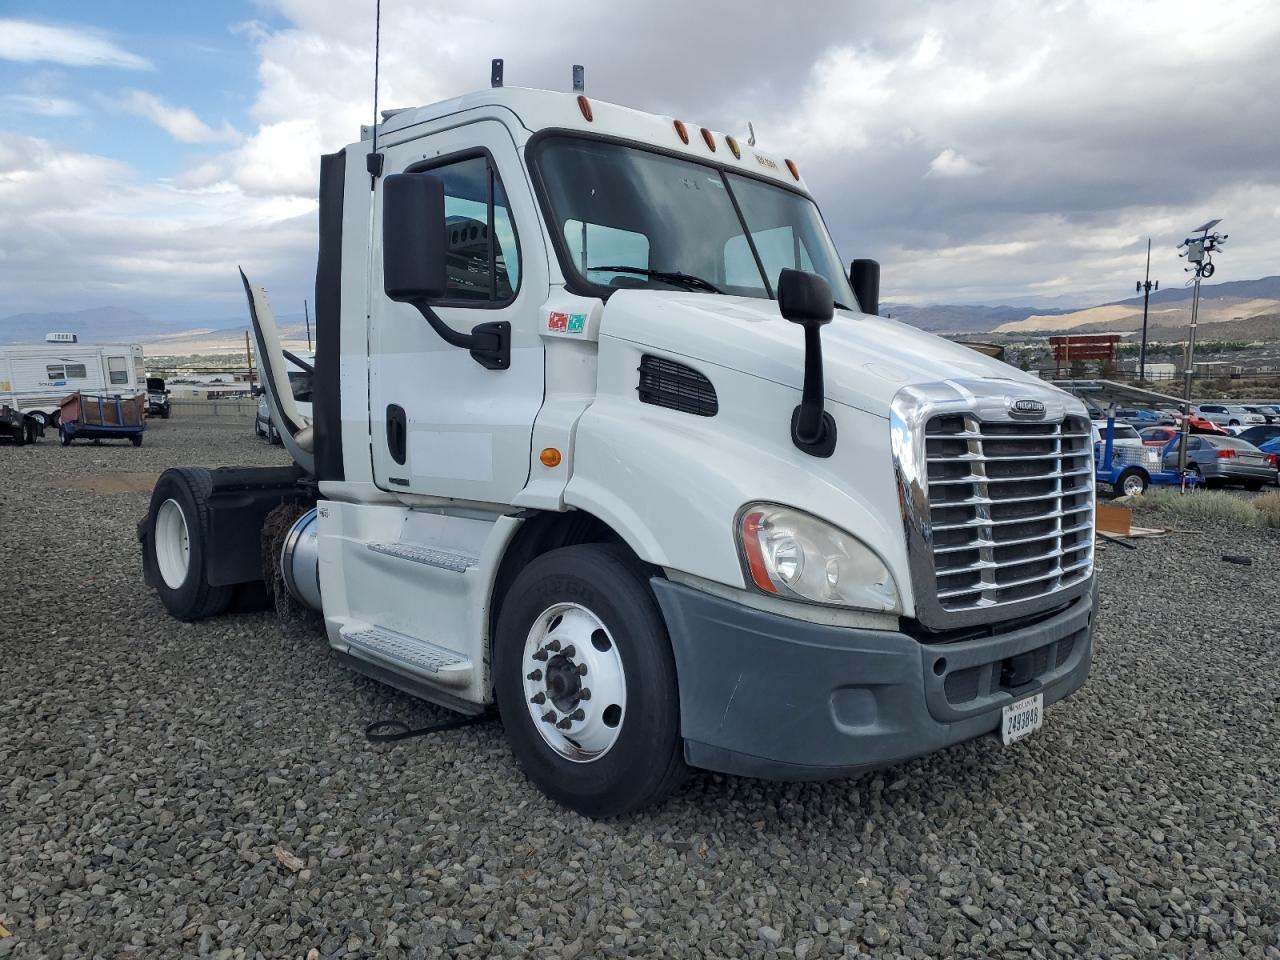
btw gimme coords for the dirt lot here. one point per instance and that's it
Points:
(151, 769)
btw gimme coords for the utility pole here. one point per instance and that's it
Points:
(248, 357)
(1145, 288)
(307, 313)
(1199, 254)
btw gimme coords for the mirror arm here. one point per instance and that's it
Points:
(813, 430)
(489, 343)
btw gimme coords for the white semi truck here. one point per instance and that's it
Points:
(605, 438)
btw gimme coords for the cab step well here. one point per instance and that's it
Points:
(431, 556)
(408, 655)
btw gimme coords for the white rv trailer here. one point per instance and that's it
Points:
(35, 377)
(604, 435)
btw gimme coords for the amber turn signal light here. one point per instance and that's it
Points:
(550, 457)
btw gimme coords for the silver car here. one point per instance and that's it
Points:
(1229, 415)
(1222, 460)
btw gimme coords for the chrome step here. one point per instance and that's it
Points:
(444, 559)
(408, 654)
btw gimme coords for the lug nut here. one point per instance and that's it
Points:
(569, 651)
(549, 716)
(584, 694)
(565, 724)
(578, 714)
(582, 669)
(553, 645)
(538, 698)
(536, 675)
(540, 655)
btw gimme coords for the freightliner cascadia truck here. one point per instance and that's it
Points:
(606, 439)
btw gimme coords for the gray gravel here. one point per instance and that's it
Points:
(152, 768)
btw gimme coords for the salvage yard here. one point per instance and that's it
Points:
(206, 789)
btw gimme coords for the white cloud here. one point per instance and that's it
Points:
(29, 42)
(179, 122)
(951, 164)
(45, 106)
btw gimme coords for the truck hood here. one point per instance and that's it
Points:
(866, 359)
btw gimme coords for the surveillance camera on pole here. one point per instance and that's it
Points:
(1199, 253)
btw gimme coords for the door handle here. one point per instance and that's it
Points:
(397, 430)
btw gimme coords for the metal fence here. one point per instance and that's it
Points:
(244, 407)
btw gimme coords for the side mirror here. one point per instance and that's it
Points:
(413, 252)
(805, 298)
(864, 277)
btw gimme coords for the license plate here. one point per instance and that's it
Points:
(1022, 718)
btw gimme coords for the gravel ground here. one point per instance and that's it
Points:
(152, 768)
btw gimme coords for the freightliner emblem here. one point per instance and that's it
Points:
(1026, 407)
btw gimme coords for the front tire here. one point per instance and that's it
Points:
(1132, 482)
(176, 543)
(582, 620)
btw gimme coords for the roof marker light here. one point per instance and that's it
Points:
(733, 146)
(681, 131)
(708, 139)
(791, 165)
(585, 106)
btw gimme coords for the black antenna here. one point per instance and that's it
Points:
(373, 162)
(307, 313)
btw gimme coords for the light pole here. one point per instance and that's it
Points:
(1199, 254)
(1145, 289)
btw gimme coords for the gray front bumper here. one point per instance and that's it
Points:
(767, 696)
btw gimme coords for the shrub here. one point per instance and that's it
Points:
(1268, 505)
(1204, 504)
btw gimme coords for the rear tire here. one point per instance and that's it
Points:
(632, 669)
(64, 436)
(1253, 485)
(136, 441)
(1132, 482)
(175, 545)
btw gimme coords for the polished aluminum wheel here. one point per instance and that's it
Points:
(574, 683)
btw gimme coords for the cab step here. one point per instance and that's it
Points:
(431, 556)
(408, 655)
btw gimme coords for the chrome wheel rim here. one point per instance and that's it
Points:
(1132, 486)
(173, 544)
(575, 687)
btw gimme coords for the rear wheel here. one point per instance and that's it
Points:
(1253, 485)
(136, 440)
(64, 436)
(1132, 482)
(586, 681)
(175, 544)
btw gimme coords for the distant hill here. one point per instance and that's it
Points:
(1265, 327)
(963, 318)
(104, 325)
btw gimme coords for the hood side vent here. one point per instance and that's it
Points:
(665, 383)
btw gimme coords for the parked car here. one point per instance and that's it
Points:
(1229, 414)
(1260, 435)
(1157, 436)
(1223, 460)
(1123, 434)
(300, 383)
(157, 398)
(1269, 413)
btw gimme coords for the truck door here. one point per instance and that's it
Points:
(441, 424)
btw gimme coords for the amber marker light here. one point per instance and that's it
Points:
(708, 139)
(791, 165)
(585, 106)
(550, 457)
(681, 130)
(755, 555)
(733, 147)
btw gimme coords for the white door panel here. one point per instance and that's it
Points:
(468, 429)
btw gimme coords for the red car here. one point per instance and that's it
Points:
(1159, 436)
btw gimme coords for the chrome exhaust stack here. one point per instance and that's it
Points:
(300, 560)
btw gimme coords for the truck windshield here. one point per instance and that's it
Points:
(673, 224)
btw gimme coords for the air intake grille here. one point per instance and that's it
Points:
(666, 383)
(1010, 508)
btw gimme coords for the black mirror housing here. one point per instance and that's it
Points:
(413, 234)
(864, 277)
(804, 297)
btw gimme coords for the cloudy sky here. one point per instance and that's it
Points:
(1000, 153)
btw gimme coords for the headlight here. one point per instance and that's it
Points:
(794, 555)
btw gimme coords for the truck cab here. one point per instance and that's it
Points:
(605, 437)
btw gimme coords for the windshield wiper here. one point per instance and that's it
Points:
(841, 306)
(665, 276)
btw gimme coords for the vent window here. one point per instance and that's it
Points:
(665, 383)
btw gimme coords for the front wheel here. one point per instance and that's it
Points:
(1253, 485)
(586, 682)
(64, 436)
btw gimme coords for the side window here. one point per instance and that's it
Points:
(76, 371)
(56, 371)
(483, 258)
(593, 245)
(118, 368)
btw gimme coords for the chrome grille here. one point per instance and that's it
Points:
(1010, 508)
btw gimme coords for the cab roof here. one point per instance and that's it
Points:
(536, 110)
